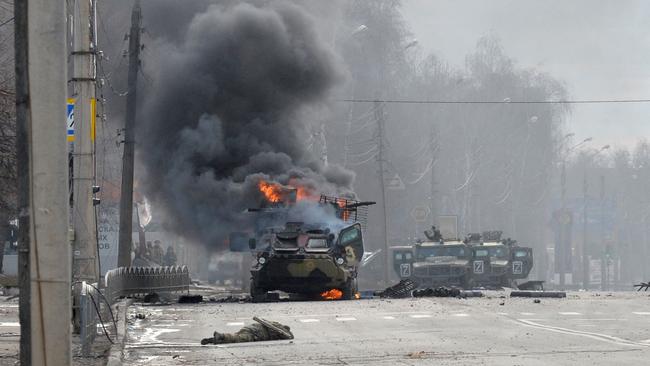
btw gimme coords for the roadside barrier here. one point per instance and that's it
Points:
(129, 281)
(88, 308)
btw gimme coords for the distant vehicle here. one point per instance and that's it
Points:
(226, 267)
(481, 260)
(434, 264)
(499, 263)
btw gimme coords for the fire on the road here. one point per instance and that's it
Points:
(333, 294)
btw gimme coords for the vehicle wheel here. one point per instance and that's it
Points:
(257, 294)
(350, 290)
(469, 284)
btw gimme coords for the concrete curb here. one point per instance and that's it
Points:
(116, 353)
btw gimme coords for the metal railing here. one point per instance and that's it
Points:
(129, 281)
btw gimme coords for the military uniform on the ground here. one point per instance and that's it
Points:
(261, 331)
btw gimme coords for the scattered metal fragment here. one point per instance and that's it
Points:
(537, 301)
(231, 299)
(556, 294)
(401, 290)
(470, 293)
(437, 292)
(531, 286)
(190, 299)
(151, 298)
(140, 316)
(643, 286)
(417, 355)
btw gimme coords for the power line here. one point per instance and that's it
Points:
(6, 21)
(407, 101)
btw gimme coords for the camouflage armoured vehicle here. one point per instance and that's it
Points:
(313, 259)
(434, 262)
(441, 264)
(310, 261)
(499, 263)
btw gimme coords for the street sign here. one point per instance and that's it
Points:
(420, 213)
(448, 225)
(70, 120)
(395, 183)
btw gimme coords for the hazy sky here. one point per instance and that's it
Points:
(599, 48)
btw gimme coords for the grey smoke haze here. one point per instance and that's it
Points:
(228, 108)
(599, 48)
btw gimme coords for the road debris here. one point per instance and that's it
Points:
(437, 292)
(151, 298)
(417, 355)
(556, 294)
(643, 286)
(401, 290)
(190, 299)
(140, 316)
(231, 299)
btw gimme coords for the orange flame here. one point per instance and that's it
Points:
(357, 296)
(272, 191)
(332, 294)
(345, 213)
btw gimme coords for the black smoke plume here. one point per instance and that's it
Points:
(228, 108)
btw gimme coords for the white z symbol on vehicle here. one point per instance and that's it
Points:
(478, 267)
(517, 267)
(405, 269)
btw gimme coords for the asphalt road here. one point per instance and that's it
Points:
(583, 329)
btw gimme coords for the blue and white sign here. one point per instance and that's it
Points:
(70, 120)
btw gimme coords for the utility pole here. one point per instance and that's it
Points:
(41, 78)
(381, 160)
(585, 256)
(563, 239)
(126, 198)
(84, 221)
(434, 191)
(604, 262)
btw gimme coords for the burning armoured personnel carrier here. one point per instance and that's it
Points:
(316, 257)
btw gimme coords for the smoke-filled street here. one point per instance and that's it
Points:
(583, 329)
(309, 182)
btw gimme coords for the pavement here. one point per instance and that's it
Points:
(9, 331)
(583, 329)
